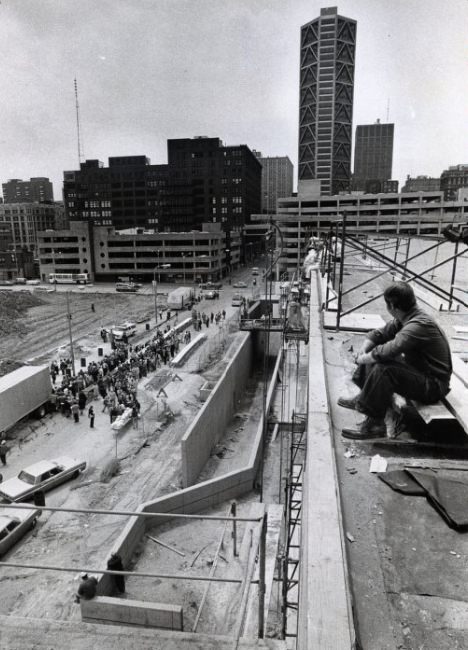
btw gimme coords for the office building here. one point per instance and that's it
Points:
(35, 190)
(26, 220)
(277, 179)
(326, 100)
(421, 184)
(203, 181)
(373, 154)
(453, 179)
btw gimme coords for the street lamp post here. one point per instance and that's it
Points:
(228, 265)
(155, 289)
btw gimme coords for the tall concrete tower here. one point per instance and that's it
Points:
(326, 100)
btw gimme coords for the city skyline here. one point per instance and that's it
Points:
(140, 84)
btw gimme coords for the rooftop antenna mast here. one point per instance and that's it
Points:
(388, 109)
(78, 128)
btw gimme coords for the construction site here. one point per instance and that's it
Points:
(242, 517)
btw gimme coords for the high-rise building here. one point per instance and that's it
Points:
(326, 100)
(35, 190)
(26, 219)
(277, 180)
(202, 182)
(453, 179)
(421, 184)
(373, 154)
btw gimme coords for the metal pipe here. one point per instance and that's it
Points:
(418, 277)
(340, 278)
(234, 528)
(261, 575)
(454, 271)
(139, 574)
(127, 513)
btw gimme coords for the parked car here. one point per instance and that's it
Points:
(33, 282)
(20, 281)
(210, 295)
(125, 329)
(44, 475)
(126, 286)
(240, 285)
(14, 524)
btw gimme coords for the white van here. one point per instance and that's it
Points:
(125, 329)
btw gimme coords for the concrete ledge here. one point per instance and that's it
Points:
(213, 417)
(117, 611)
(187, 351)
(325, 617)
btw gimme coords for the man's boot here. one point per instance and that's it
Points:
(366, 430)
(348, 402)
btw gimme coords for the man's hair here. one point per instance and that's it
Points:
(400, 295)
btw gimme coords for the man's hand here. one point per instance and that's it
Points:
(364, 358)
(367, 346)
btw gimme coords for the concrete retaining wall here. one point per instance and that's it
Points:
(132, 612)
(212, 419)
(192, 499)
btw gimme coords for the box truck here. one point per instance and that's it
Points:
(23, 392)
(181, 298)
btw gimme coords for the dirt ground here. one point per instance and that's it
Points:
(149, 463)
(34, 326)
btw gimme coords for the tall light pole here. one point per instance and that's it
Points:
(155, 289)
(228, 265)
(69, 318)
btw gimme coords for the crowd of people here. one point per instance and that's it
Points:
(115, 377)
(200, 319)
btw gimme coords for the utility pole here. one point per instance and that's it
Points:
(69, 318)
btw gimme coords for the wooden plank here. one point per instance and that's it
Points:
(457, 401)
(325, 617)
(355, 322)
(460, 369)
(273, 535)
(431, 412)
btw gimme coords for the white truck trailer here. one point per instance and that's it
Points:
(23, 392)
(181, 298)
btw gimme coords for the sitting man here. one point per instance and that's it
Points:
(410, 356)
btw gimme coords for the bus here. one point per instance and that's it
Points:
(68, 278)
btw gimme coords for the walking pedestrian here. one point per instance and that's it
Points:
(91, 417)
(4, 449)
(81, 401)
(75, 410)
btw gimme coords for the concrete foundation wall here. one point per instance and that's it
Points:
(132, 612)
(189, 500)
(212, 419)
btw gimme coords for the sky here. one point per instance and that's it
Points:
(149, 70)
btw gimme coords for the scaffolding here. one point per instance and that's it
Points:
(342, 243)
(293, 515)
